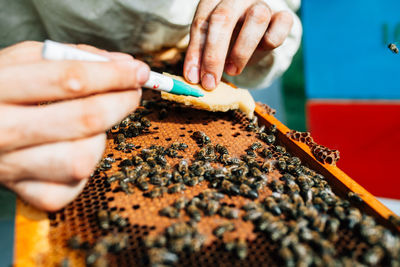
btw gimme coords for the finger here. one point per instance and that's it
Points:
(31, 51)
(69, 120)
(198, 34)
(279, 28)
(254, 27)
(221, 24)
(57, 80)
(45, 195)
(63, 162)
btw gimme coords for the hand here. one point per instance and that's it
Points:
(48, 152)
(226, 34)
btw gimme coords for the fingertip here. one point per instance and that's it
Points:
(231, 69)
(208, 82)
(142, 73)
(192, 75)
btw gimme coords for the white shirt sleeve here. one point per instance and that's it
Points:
(262, 74)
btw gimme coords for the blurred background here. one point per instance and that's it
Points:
(343, 86)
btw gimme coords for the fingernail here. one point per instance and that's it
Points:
(142, 73)
(193, 75)
(231, 69)
(208, 81)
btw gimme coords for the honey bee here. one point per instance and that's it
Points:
(156, 192)
(181, 203)
(221, 149)
(252, 215)
(212, 207)
(155, 241)
(247, 191)
(201, 137)
(196, 243)
(75, 242)
(230, 188)
(393, 48)
(178, 230)
(176, 188)
(118, 219)
(241, 249)
(183, 167)
(193, 212)
(355, 197)
(160, 256)
(229, 212)
(223, 228)
(103, 219)
(170, 212)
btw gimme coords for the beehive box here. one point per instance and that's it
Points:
(41, 239)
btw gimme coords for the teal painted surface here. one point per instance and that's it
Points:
(345, 48)
(7, 218)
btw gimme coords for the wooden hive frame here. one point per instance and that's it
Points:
(32, 226)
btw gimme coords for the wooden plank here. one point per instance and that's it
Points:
(340, 181)
(31, 243)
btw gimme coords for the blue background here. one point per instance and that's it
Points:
(345, 49)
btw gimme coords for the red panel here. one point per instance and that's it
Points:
(367, 135)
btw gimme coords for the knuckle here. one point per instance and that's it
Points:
(91, 118)
(82, 165)
(285, 17)
(211, 61)
(220, 15)
(239, 56)
(73, 77)
(200, 24)
(261, 13)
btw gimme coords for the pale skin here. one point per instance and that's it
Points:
(47, 152)
(228, 35)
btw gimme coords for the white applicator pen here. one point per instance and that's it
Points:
(57, 51)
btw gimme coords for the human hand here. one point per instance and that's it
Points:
(226, 35)
(48, 152)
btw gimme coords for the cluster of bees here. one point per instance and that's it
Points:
(302, 215)
(321, 153)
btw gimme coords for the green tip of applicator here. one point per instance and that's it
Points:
(181, 88)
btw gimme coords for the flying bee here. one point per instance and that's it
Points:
(223, 228)
(393, 48)
(170, 212)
